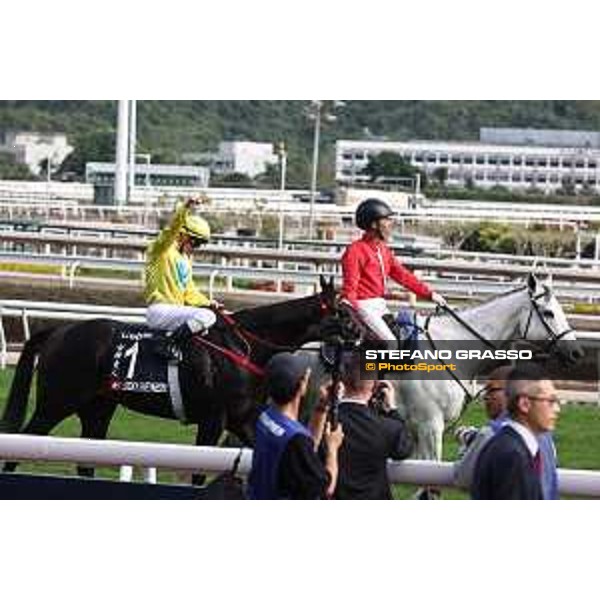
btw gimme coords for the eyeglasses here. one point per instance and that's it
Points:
(551, 400)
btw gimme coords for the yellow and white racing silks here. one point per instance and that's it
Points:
(168, 272)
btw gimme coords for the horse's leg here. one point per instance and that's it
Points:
(429, 447)
(95, 418)
(208, 434)
(41, 423)
(243, 430)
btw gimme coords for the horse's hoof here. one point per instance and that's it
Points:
(428, 494)
(198, 480)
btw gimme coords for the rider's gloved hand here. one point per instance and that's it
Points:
(345, 302)
(439, 299)
(191, 203)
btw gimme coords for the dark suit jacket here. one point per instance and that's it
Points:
(505, 471)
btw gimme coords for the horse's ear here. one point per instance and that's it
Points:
(322, 282)
(548, 281)
(532, 282)
(331, 284)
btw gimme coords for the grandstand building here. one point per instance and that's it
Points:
(512, 158)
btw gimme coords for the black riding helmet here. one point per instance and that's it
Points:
(370, 210)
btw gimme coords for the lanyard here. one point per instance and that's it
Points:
(381, 266)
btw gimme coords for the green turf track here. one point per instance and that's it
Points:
(577, 437)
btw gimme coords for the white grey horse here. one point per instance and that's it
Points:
(529, 312)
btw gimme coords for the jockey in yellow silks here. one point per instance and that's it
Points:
(174, 302)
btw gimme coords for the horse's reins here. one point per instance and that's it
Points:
(243, 360)
(554, 338)
(469, 397)
(245, 335)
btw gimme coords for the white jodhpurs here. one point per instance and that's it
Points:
(169, 317)
(371, 313)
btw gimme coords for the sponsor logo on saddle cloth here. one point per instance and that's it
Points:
(135, 365)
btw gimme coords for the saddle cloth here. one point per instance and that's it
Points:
(409, 324)
(135, 366)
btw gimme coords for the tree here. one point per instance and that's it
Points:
(232, 179)
(271, 178)
(567, 187)
(97, 146)
(389, 164)
(10, 169)
(441, 176)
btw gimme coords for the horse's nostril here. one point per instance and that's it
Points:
(576, 354)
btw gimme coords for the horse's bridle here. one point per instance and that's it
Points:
(553, 337)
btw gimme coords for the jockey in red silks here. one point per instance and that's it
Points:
(368, 262)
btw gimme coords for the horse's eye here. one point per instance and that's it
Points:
(547, 313)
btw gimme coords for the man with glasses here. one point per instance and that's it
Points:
(174, 302)
(473, 440)
(510, 464)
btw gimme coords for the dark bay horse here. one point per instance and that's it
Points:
(74, 362)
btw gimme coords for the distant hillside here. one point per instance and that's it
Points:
(168, 128)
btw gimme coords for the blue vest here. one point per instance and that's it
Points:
(273, 433)
(549, 476)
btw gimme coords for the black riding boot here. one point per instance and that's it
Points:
(395, 328)
(171, 347)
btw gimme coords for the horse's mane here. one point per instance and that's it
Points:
(272, 315)
(493, 298)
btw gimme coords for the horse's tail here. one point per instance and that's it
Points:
(16, 406)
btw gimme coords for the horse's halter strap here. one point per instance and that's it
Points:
(553, 337)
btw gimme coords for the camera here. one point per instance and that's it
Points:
(377, 401)
(465, 435)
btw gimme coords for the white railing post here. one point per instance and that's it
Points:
(25, 321)
(211, 283)
(72, 270)
(3, 344)
(126, 473)
(150, 475)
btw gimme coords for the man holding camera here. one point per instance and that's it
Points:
(285, 462)
(373, 432)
